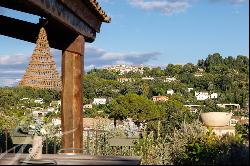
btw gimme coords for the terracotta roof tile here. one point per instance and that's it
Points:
(98, 8)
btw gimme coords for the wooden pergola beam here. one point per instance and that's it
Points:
(69, 23)
(72, 74)
(71, 15)
(27, 31)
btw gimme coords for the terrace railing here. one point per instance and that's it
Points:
(95, 142)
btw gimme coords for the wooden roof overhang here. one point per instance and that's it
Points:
(64, 20)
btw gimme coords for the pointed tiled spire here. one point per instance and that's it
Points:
(41, 72)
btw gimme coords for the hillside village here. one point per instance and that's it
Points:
(158, 87)
(144, 100)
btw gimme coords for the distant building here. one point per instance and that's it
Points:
(214, 96)
(125, 68)
(98, 101)
(169, 79)
(125, 80)
(202, 95)
(199, 72)
(88, 106)
(160, 98)
(25, 99)
(51, 109)
(55, 103)
(238, 119)
(93, 123)
(193, 108)
(170, 92)
(39, 113)
(56, 121)
(190, 89)
(148, 78)
(39, 101)
(232, 106)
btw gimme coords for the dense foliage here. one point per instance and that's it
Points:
(14, 111)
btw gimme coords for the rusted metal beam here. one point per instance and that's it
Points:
(72, 73)
(56, 11)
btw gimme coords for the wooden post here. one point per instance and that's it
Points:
(72, 77)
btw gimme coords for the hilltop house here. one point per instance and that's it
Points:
(169, 79)
(199, 72)
(193, 108)
(38, 113)
(25, 99)
(202, 95)
(190, 89)
(92, 123)
(56, 121)
(160, 98)
(170, 92)
(214, 96)
(125, 79)
(51, 109)
(55, 103)
(88, 106)
(98, 101)
(232, 106)
(39, 101)
(125, 68)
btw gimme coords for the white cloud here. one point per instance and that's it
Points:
(235, 2)
(99, 57)
(9, 82)
(16, 59)
(1, 10)
(167, 7)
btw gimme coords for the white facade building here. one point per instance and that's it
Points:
(125, 68)
(202, 95)
(190, 89)
(38, 113)
(39, 101)
(87, 106)
(214, 96)
(169, 79)
(125, 80)
(56, 121)
(51, 109)
(55, 103)
(98, 101)
(148, 78)
(25, 99)
(170, 92)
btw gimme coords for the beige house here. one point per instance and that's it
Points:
(160, 98)
(94, 123)
(125, 79)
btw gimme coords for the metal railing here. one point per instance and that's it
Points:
(95, 142)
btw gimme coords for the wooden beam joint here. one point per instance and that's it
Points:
(77, 47)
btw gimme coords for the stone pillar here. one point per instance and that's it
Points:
(71, 107)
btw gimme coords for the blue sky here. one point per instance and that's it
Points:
(149, 32)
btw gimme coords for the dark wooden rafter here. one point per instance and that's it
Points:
(28, 32)
(74, 18)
